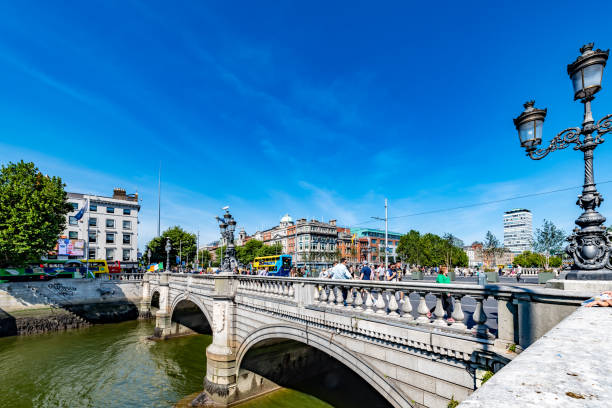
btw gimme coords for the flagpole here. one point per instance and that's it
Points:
(159, 199)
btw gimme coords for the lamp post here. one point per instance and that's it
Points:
(590, 246)
(227, 226)
(149, 257)
(168, 248)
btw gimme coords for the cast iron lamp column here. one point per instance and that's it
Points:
(590, 246)
(168, 248)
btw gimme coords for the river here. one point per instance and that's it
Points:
(113, 365)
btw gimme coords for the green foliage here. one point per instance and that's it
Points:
(512, 348)
(453, 403)
(180, 241)
(530, 259)
(431, 250)
(204, 258)
(33, 211)
(487, 376)
(548, 240)
(254, 248)
(491, 247)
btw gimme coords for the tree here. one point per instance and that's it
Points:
(247, 253)
(181, 242)
(548, 241)
(491, 248)
(409, 247)
(204, 258)
(33, 211)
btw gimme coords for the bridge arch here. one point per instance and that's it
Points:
(196, 300)
(154, 298)
(347, 358)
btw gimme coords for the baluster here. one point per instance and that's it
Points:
(291, 292)
(369, 302)
(316, 294)
(324, 295)
(393, 306)
(458, 315)
(439, 310)
(423, 310)
(407, 307)
(340, 297)
(480, 318)
(286, 289)
(381, 308)
(332, 296)
(358, 302)
(350, 302)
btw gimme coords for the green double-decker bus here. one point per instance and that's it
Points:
(54, 268)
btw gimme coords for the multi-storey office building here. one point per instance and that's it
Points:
(518, 230)
(109, 227)
(376, 243)
(311, 243)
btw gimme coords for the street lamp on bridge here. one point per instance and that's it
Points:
(168, 248)
(590, 246)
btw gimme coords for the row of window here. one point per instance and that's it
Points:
(382, 241)
(110, 254)
(315, 247)
(93, 222)
(109, 210)
(110, 238)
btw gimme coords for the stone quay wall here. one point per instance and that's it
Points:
(60, 304)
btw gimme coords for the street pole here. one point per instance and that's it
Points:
(180, 255)
(198, 250)
(159, 199)
(386, 219)
(386, 236)
(87, 246)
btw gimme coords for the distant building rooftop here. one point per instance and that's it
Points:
(517, 210)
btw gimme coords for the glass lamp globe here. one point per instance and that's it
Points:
(586, 72)
(529, 125)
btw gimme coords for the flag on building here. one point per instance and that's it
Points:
(81, 212)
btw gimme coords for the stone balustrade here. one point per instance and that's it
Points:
(523, 314)
(125, 276)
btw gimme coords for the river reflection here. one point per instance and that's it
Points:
(111, 365)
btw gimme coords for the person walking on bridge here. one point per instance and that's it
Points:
(340, 271)
(447, 301)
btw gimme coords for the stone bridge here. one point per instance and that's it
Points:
(280, 328)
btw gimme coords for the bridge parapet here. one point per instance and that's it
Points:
(371, 327)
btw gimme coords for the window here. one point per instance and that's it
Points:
(126, 254)
(126, 238)
(110, 254)
(93, 222)
(300, 246)
(92, 253)
(110, 210)
(92, 237)
(110, 238)
(72, 220)
(127, 225)
(75, 206)
(93, 207)
(373, 241)
(127, 211)
(73, 234)
(110, 223)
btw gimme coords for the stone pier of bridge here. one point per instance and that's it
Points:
(381, 331)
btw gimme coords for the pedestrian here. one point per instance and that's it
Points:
(447, 300)
(519, 272)
(340, 271)
(366, 272)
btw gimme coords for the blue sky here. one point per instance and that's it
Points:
(318, 109)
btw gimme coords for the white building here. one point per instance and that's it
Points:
(113, 227)
(518, 230)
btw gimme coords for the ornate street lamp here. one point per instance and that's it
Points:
(590, 246)
(168, 248)
(227, 226)
(149, 256)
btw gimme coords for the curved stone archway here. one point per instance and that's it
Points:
(154, 299)
(347, 358)
(193, 299)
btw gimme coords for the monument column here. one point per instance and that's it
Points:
(162, 317)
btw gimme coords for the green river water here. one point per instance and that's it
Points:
(112, 365)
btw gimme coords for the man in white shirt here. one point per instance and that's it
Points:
(340, 271)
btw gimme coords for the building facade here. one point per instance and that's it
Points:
(108, 229)
(518, 230)
(375, 239)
